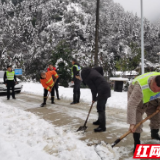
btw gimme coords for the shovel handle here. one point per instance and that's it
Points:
(123, 136)
(88, 114)
(84, 127)
(140, 123)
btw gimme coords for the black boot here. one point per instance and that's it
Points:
(96, 123)
(99, 129)
(72, 103)
(102, 122)
(154, 134)
(136, 137)
(78, 97)
(74, 99)
(52, 100)
(102, 119)
(44, 102)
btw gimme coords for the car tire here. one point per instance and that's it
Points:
(18, 91)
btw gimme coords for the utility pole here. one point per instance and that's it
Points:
(96, 34)
(142, 40)
(159, 57)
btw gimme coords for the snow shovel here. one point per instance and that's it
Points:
(123, 136)
(84, 127)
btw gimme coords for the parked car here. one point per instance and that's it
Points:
(3, 88)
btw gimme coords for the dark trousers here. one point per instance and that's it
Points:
(101, 107)
(76, 92)
(10, 84)
(56, 89)
(46, 93)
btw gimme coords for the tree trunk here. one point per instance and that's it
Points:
(96, 34)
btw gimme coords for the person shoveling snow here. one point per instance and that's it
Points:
(48, 83)
(98, 85)
(143, 96)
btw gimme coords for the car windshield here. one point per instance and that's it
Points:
(1, 74)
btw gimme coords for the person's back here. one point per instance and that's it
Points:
(97, 78)
(100, 84)
(100, 70)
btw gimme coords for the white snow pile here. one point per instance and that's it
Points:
(24, 136)
(117, 99)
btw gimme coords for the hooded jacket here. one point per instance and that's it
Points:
(97, 83)
(99, 69)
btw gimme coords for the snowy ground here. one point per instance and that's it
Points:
(117, 99)
(25, 136)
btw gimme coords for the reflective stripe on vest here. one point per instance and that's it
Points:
(77, 67)
(49, 80)
(148, 95)
(47, 88)
(51, 84)
(10, 75)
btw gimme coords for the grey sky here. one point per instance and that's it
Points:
(151, 8)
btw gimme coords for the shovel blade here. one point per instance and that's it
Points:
(116, 142)
(82, 128)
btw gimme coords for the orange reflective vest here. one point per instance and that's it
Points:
(48, 82)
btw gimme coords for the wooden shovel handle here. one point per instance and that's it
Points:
(88, 114)
(150, 116)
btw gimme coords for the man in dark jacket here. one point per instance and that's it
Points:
(10, 81)
(98, 85)
(99, 69)
(76, 90)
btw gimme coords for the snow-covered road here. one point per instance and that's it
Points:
(25, 136)
(49, 133)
